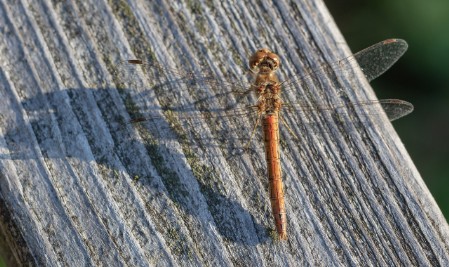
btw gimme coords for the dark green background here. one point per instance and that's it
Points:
(421, 76)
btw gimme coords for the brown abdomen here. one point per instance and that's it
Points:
(271, 137)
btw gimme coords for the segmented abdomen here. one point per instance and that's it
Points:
(271, 137)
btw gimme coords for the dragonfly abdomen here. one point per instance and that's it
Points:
(271, 138)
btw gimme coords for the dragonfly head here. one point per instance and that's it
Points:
(263, 60)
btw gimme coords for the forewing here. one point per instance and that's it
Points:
(373, 61)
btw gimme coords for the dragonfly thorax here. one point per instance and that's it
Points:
(266, 80)
(266, 90)
(269, 105)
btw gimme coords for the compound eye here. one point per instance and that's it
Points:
(258, 57)
(274, 60)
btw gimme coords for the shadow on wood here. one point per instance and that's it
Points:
(228, 215)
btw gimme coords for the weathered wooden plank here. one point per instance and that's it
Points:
(79, 187)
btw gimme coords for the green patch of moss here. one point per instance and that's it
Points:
(177, 243)
(133, 32)
(273, 234)
(195, 7)
(116, 174)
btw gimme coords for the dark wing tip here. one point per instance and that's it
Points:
(396, 108)
(398, 42)
(135, 61)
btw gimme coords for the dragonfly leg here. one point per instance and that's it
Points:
(288, 127)
(259, 117)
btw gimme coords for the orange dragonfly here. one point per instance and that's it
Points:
(166, 83)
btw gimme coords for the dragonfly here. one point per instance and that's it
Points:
(175, 88)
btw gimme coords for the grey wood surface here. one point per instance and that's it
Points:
(78, 187)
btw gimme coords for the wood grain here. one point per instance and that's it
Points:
(79, 187)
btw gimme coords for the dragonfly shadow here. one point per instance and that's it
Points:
(87, 124)
(61, 117)
(232, 220)
(204, 102)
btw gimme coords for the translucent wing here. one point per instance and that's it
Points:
(180, 86)
(154, 90)
(394, 108)
(373, 61)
